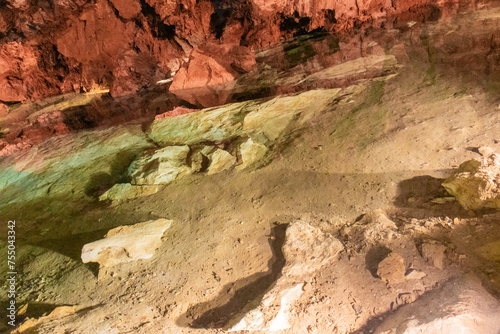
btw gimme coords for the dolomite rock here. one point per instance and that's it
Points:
(306, 251)
(162, 167)
(126, 243)
(461, 306)
(475, 184)
(124, 191)
(220, 161)
(251, 152)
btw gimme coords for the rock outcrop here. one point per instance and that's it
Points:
(475, 184)
(122, 45)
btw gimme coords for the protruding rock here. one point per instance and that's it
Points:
(4, 109)
(475, 184)
(126, 243)
(461, 306)
(128, 9)
(306, 250)
(124, 191)
(163, 167)
(251, 152)
(392, 269)
(220, 161)
(434, 254)
(213, 64)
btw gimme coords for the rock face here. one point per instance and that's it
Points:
(475, 184)
(461, 306)
(124, 191)
(126, 243)
(213, 64)
(306, 250)
(65, 46)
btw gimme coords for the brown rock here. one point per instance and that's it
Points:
(4, 109)
(435, 254)
(128, 9)
(177, 111)
(132, 72)
(213, 64)
(392, 269)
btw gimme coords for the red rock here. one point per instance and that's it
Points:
(177, 111)
(132, 72)
(4, 109)
(128, 9)
(213, 64)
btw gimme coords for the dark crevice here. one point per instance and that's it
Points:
(159, 29)
(245, 293)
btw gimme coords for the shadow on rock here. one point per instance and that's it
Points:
(247, 292)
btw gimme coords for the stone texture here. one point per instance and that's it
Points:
(124, 191)
(475, 184)
(220, 160)
(161, 167)
(374, 228)
(392, 269)
(461, 306)
(128, 9)
(307, 249)
(434, 254)
(251, 152)
(126, 243)
(213, 64)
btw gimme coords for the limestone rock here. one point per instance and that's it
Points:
(476, 183)
(220, 161)
(461, 306)
(162, 167)
(126, 243)
(306, 251)
(490, 251)
(251, 152)
(392, 269)
(435, 254)
(124, 191)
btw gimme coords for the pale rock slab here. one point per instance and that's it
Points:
(434, 254)
(220, 161)
(124, 191)
(307, 249)
(251, 152)
(126, 243)
(162, 167)
(475, 184)
(461, 306)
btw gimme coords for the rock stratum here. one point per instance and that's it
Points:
(49, 48)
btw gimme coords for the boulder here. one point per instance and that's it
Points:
(220, 161)
(306, 250)
(460, 306)
(475, 184)
(124, 191)
(126, 243)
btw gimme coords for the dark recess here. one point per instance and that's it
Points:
(159, 29)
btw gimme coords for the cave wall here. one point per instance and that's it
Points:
(49, 47)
